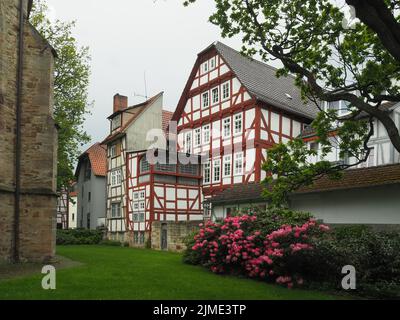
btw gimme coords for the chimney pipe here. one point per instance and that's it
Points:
(120, 102)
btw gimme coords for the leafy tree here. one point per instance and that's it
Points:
(71, 82)
(332, 59)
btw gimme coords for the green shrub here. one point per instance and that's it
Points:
(375, 256)
(78, 236)
(273, 218)
(191, 256)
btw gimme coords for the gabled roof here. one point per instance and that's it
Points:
(97, 155)
(135, 111)
(261, 82)
(352, 179)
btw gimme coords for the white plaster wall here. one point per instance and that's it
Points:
(375, 205)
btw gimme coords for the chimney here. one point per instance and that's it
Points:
(120, 102)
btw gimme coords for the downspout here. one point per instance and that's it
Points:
(15, 243)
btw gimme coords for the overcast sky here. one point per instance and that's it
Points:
(128, 38)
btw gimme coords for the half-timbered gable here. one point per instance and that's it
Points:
(382, 151)
(128, 130)
(234, 108)
(162, 191)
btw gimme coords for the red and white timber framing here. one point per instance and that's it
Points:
(156, 195)
(116, 181)
(254, 125)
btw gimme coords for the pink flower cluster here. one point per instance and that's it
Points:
(234, 246)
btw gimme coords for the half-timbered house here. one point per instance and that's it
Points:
(128, 132)
(163, 190)
(232, 109)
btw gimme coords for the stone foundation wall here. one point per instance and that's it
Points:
(176, 233)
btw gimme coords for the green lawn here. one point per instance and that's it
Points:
(126, 273)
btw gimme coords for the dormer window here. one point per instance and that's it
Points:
(116, 122)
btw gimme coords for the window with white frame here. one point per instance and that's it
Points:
(207, 173)
(238, 123)
(141, 195)
(206, 134)
(216, 170)
(238, 163)
(226, 92)
(197, 137)
(136, 206)
(212, 63)
(141, 205)
(341, 107)
(215, 95)
(205, 99)
(144, 165)
(135, 195)
(227, 127)
(116, 177)
(115, 209)
(112, 151)
(204, 67)
(188, 142)
(227, 165)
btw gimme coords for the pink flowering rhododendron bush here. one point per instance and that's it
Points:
(235, 246)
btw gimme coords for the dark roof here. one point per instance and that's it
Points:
(260, 80)
(357, 178)
(239, 193)
(352, 178)
(97, 155)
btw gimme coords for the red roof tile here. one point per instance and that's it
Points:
(97, 154)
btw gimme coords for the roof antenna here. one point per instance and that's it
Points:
(145, 85)
(145, 90)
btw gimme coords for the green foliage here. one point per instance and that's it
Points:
(71, 80)
(375, 256)
(331, 60)
(288, 169)
(273, 218)
(191, 256)
(79, 236)
(314, 36)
